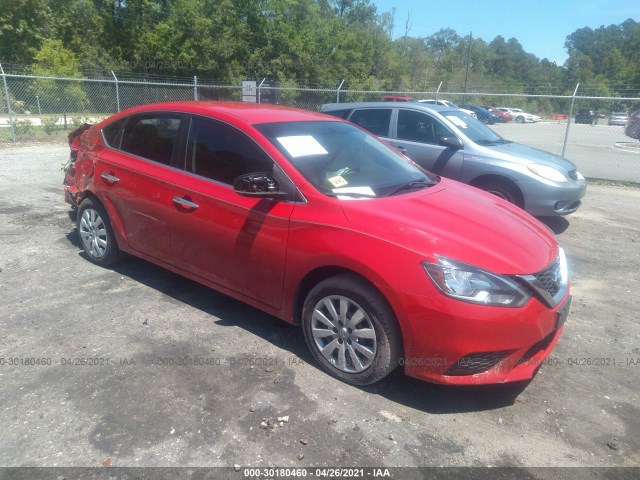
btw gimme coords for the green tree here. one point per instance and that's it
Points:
(24, 25)
(59, 96)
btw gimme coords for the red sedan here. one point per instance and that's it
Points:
(317, 222)
(505, 117)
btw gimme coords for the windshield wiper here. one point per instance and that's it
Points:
(410, 185)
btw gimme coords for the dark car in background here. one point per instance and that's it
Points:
(632, 129)
(484, 115)
(586, 116)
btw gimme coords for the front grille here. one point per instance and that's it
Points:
(475, 363)
(573, 174)
(551, 277)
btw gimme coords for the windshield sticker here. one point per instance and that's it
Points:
(364, 191)
(354, 193)
(302, 145)
(457, 121)
(338, 181)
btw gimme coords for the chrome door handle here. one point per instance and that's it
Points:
(401, 149)
(110, 178)
(183, 202)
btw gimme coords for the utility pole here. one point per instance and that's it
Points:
(466, 73)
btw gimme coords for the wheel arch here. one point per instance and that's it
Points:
(317, 275)
(482, 180)
(114, 219)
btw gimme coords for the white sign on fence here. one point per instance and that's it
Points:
(249, 91)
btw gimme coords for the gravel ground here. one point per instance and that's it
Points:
(109, 386)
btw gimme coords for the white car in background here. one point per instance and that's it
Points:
(447, 103)
(519, 116)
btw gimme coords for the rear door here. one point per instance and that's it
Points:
(239, 243)
(134, 176)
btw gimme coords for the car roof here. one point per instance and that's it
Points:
(405, 105)
(251, 113)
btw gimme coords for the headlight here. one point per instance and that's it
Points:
(470, 284)
(580, 176)
(547, 172)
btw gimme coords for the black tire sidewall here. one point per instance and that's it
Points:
(507, 192)
(388, 343)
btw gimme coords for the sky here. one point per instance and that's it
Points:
(540, 26)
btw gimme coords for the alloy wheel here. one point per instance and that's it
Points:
(343, 334)
(93, 233)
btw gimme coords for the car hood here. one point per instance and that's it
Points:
(460, 222)
(517, 152)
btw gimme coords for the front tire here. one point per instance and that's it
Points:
(351, 330)
(520, 119)
(96, 234)
(503, 190)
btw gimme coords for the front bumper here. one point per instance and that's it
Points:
(548, 199)
(452, 342)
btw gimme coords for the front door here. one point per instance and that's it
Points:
(239, 243)
(418, 134)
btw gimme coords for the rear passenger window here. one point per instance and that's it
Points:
(151, 136)
(375, 120)
(111, 133)
(222, 153)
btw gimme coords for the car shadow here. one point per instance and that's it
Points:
(557, 224)
(228, 312)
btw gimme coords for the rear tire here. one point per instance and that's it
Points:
(96, 234)
(351, 330)
(520, 119)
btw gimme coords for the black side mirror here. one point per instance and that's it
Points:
(262, 185)
(451, 142)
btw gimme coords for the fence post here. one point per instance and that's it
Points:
(566, 133)
(195, 88)
(338, 92)
(6, 92)
(438, 91)
(259, 91)
(117, 91)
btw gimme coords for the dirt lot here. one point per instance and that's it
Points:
(92, 362)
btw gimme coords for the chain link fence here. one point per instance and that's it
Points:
(41, 109)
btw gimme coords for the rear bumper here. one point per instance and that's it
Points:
(72, 195)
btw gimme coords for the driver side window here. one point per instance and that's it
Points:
(420, 127)
(222, 153)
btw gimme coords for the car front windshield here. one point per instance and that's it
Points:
(342, 160)
(473, 129)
